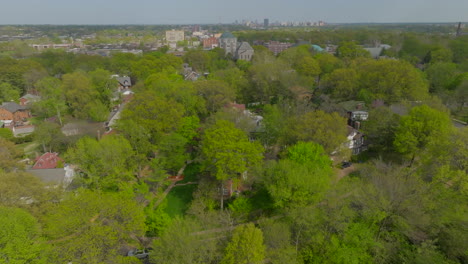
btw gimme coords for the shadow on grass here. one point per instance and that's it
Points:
(191, 173)
(179, 199)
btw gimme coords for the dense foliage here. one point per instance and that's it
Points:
(247, 164)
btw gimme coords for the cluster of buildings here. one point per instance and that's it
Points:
(265, 24)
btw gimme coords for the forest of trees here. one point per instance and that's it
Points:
(404, 200)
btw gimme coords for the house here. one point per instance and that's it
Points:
(13, 114)
(228, 42)
(55, 177)
(19, 131)
(244, 52)
(189, 74)
(355, 141)
(48, 160)
(239, 51)
(124, 82)
(358, 115)
(28, 99)
(210, 43)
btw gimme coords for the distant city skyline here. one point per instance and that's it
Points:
(211, 11)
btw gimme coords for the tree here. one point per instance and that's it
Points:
(179, 245)
(308, 66)
(417, 129)
(103, 84)
(47, 134)
(343, 83)
(300, 179)
(198, 59)
(90, 226)
(228, 152)
(351, 50)
(441, 75)
(172, 152)
(392, 80)
(328, 130)
(6, 133)
(9, 156)
(380, 127)
(156, 114)
(172, 86)
(245, 247)
(19, 187)
(8, 92)
(52, 98)
(20, 240)
(216, 94)
(82, 98)
(106, 163)
(236, 79)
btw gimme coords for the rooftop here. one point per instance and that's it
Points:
(227, 35)
(12, 107)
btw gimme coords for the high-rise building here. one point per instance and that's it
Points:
(266, 23)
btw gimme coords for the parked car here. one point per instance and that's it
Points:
(138, 253)
(346, 164)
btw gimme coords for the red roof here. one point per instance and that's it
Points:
(48, 160)
(238, 106)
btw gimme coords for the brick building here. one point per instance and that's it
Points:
(277, 47)
(13, 114)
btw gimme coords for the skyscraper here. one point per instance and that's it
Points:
(266, 22)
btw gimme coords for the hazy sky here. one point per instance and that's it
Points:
(215, 11)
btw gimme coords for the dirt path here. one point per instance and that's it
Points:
(340, 173)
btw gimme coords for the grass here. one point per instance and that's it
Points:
(29, 148)
(178, 199)
(191, 173)
(261, 199)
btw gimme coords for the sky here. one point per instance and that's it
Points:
(222, 11)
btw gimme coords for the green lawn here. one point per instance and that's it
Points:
(191, 173)
(178, 199)
(29, 148)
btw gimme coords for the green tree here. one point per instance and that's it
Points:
(90, 226)
(20, 240)
(300, 179)
(245, 247)
(179, 245)
(103, 84)
(106, 163)
(18, 186)
(392, 80)
(308, 66)
(418, 128)
(351, 50)
(156, 114)
(343, 83)
(172, 151)
(6, 133)
(82, 98)
(216, 94)
(441, 75)
(47, 134)
(9, 93)
(52, 98)
(328, 130)
(9, 155)
(228, 152)
(380, 128)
